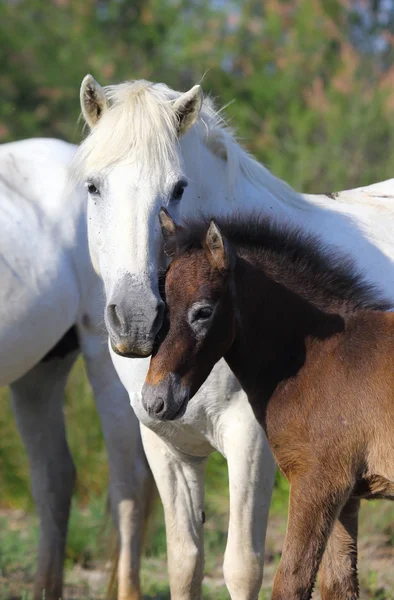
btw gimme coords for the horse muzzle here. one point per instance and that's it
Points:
(133, 332)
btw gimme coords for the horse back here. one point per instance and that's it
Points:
(40, 294)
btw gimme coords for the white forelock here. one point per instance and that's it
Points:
(140, 124)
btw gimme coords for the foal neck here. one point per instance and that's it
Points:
(275, 330)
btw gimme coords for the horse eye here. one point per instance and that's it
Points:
(92, 189)
(201, 314)
(178, 190)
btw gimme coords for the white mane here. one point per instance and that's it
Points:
(140, 121)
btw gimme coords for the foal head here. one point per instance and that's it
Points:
(201, 324)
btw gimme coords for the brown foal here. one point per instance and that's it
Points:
(304, 336)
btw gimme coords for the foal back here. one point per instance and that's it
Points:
(345, 420)
(376, 403)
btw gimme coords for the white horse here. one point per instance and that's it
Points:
(151, 146)
(50, 309)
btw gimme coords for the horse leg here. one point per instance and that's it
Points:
(181, 487)
(131, 482)
(315, 503)
(251, 479)
(37, 400)
(338, 571)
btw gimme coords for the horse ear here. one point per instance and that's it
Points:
(187, 108)
(169, 230)
(93, 100)
(219, 253)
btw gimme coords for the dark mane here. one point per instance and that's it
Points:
(300, 262)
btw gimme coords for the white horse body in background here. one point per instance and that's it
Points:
(51, 307)
(151, 146)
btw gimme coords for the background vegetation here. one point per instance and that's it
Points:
(313, 84)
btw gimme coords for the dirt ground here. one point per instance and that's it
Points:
(376, 565)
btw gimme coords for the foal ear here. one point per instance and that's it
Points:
(219, 254)
(187, 108)
(167, 224)
(93, 100)
(169, 230)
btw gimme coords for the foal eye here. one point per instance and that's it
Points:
(92, 189)
(201, 314)
(178, 190)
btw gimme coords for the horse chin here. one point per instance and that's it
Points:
(123, 349)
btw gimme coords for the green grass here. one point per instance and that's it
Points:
(87, 545)
(18, 547)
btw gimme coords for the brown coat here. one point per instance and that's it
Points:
(303, 334)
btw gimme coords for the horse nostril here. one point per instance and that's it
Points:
(116, 318)
(113, 315)
(158, 406)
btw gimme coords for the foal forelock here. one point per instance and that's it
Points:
(140, 122)
(300, 262)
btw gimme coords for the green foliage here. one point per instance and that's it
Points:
(312, 80)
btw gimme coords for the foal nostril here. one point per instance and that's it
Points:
(116, 318)
(158, 405)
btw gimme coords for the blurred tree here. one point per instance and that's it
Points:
(310, 103)
(48, 46)
(312, 79)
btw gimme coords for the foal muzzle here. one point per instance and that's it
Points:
(167, 400)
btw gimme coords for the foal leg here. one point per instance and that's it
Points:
(131, 482)
(314, 505)
(37, 400)
(181, 486)
(338, 571)
(251, 479)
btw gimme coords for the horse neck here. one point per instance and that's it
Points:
(343, 221)
(275, 329)
(221, 190)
